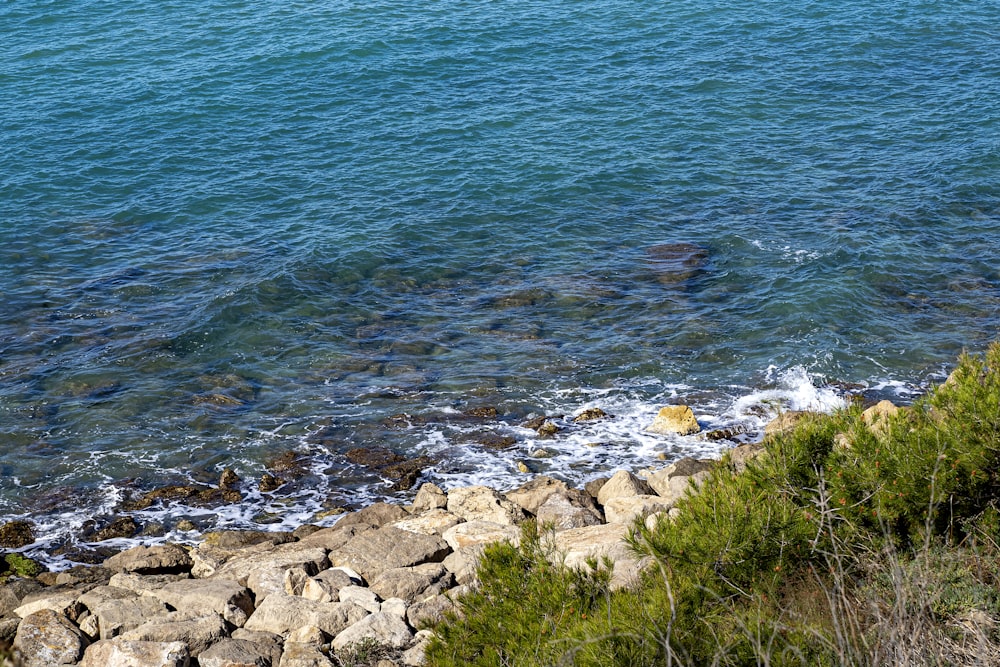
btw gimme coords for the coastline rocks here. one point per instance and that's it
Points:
(674, 419)
(623, 484)
(626, 509)
(227, 598)
(784, 423)
(164, 559)
(123, 653)
(383, 628)
(16, 534)
(46, 638)
(481, 503)
(878, 418)
(672, 482)
(374, 552)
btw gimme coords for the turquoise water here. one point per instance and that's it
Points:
(231, 230)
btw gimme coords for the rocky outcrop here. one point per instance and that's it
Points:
(674, 419)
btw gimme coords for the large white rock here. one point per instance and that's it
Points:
(384, 628)
(280, 614)
(674, 419)
(623, 483)
(117, 610)
(197, 630)
(123, 653)
(574, 547)
(481, 503)
(46, 638)
(222, 596)
(627, 509)
(431, 522)
(473, 533)
(373, 552)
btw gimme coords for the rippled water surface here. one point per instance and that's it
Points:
(230, 231)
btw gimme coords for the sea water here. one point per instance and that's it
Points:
(233, 232)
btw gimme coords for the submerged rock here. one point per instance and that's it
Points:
(675, 263)
(16, 534)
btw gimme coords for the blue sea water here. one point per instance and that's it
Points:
(233, 230)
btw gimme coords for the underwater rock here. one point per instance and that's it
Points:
(590, 414)
(373, 457)
(269, 482)
(675, 263)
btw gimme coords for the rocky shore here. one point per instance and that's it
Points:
(363, 591)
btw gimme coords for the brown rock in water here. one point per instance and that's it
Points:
(590, 414)
(16, 534)
(290, 464)
(677, 419)
(373, 457)
(406, 473)
(675, 263)
(269, 482)
(228, 480)
(122, 526)
(495, 441)
(481, 413)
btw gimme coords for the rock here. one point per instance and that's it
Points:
(878, 418)
(623, 483)
(785, 423)
(14, 591)
(336, 536)
(140, 583)
(122, 526)
(295, 580)
(307, 634)
(475, 533)
(413, 583)
(429, 497)
(589, 415)
(234, 653)
(123, 653)
(62, 602)
(415, 655)
(280, 614)
(268, 644)
(431, 522)
(481, 503)
(547, 429)
(594, 486)
(374, 552)
(239, 539)
(739, 457)
(673, 481)
(676, 263)
(574, 547)
(117, 610)
(626, 509)
(303, 655)
(531, 495)
(463, 563)
(221, 596)
(269, 483)
(163, 559)
(195, 629)
(263, 572)
(430, 611)
(46, 638)
(395, 606)
(364, 597)
(228, 480)
(563, 513)
(385, 629)
(674, 419)
(325, 587)
(16, 534)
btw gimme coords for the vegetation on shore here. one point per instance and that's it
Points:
(850, 542)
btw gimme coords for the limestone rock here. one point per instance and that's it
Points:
(264, 572)
(626, 509)
(429, 497)
(415, 655)
(563, 512)
(374, 552)
(325, 587)
(14, 592)
(280, 614)
(162, 559)
(430, 611)
(623, 483)
(431, 522)
(307, 634)
(384, 629)
(118, 610)
(481, 503)
(395, 606)
(197, 630)
(463, 563)
(879, 416)
(531, 495)
(46, 638)
(234, 653)
(362, 596)
(785, 423)
(141, 583)
(16, 534)
(303, 655)
(673, 419)
(741, 456)
(413, 583)
(374, 516)
(573, 547)
(123, 653)
(268, 644)
(474, 533)
(673, 481)
(63, 602)
(221, 596)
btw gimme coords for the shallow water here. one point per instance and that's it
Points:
(229, 231)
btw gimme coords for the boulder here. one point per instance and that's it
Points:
(481, 503)
(415, 656)
(623, 483)
(674, 419)
(240, 539)
(325, 587)
(563, 512)
(303, 655)
(374, 516)
(413, 583)
(431, 522)
(673, 481)
(161, 559)
(531, 495)
(374, 552)
(46, 638)
(785, 423)
(141, 583)
(307, 634)
(395, 606)
(63, 602)
(474, 533)
(196, 630)
(234, 653)
(123, 653)
(263, 572)
(743, 454)
(268, 644)
(364, 597)
(589, 415)
(382, 628)
(574, 547)
(463, 563)
(429, 497)
(221, 596)
(117, 610)
(429, 611)
(16, 534)
(281, 614)
(626, 509)
(879, 417)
